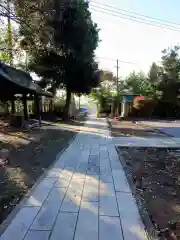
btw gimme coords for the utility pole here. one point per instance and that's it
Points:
(117, 87)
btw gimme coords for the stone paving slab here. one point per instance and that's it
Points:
(110, 228)
(62, 182)
(64, 227)
(146, 142)
(91, 189)
(49, 211)
(71, 204)
(53, 173)
(87, 224)
(106, 176)
(108, 202)
(20, 224)
(106, 189)
(84, 196)
(41, 192)
(131, 222)
(108, 206)
(120, 181)
(37, 235)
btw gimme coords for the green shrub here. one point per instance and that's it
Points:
(155, 109)
(167, 109)
(143, 108)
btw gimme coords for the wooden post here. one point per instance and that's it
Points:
(38, 108)
(12, 106)
(51, 105)
(25, 107)
(79, 101)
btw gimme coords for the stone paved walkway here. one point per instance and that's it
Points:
(85, 196)
(171, 128)
(147, 142)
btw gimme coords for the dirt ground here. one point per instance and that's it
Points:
(130, 129)
(160, 190)
(159, 168)
(28, 153)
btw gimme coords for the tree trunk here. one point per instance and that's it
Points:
(66, 107)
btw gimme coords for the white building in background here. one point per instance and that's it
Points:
(109, 85)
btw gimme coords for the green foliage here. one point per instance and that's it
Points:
(166, 109)
(67, 62)
(34, 18)
(137, 83)
(9, 44)
(66, 57)
(170, 77)
(100, 93)
(4, 53)
(162, 81)
(153, 80)
(78, 52)
(104, 99)
(143, 108)
(151, 108)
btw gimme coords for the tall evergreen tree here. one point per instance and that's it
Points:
(66, 57)
(170, 77)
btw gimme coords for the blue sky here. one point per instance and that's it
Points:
(164, 9)
(132, 42)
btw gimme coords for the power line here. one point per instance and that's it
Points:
(125, 62)
(114, 60)
(134, 20)
(106, 58)
(138, 14)
(138, 18)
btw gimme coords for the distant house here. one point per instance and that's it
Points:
(109, 85)
(127, 103)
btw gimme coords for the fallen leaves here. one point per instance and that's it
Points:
(23, 157)
(157, 173)
(3, 162)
